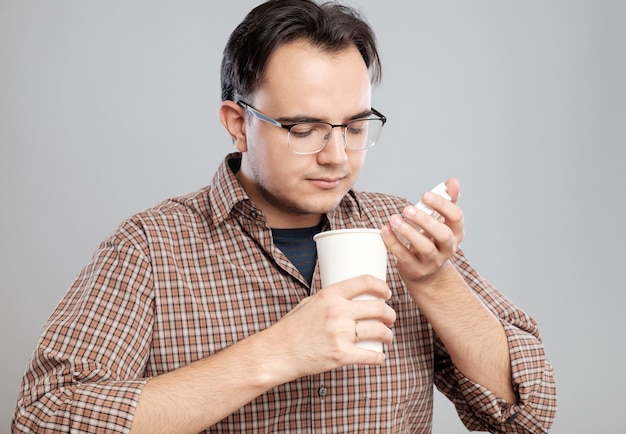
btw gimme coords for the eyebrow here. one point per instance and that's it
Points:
(298, 119)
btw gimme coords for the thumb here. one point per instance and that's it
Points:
(454, 189)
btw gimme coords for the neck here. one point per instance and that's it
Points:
(277, 215)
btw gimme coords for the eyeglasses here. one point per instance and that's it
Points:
(311, 137)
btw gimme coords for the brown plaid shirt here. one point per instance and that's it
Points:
(196, 274)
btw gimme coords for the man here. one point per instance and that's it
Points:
(206, 312)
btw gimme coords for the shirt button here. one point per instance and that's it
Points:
(254, 214)
(322, 391)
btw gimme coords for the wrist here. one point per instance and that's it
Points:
(437, 283)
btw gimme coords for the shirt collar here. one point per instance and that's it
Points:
(348, 212)
(226, 191)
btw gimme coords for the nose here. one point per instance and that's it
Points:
(335, 151)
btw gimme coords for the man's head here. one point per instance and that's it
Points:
(330, 27)
(295, 62)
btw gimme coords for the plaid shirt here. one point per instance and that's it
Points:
(196, 274)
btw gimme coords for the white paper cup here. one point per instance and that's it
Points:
(347, 253)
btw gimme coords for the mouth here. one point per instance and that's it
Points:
(327, 183)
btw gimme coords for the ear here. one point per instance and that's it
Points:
(233, 119)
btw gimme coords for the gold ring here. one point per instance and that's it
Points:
(356, 331)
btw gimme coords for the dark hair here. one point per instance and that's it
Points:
(329, 26)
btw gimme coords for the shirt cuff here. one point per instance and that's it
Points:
(533, 383)
(108, 406)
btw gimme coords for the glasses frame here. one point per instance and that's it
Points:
(288, 127)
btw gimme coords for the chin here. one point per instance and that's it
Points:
(324, 205)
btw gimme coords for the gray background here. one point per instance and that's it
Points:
(107, 108)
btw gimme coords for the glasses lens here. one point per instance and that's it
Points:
(363, 134)
(309, 138)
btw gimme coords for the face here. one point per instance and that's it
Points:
(303, 83)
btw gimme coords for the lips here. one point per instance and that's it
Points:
(327, 183)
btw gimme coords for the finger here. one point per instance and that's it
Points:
(454, 189)
(373, 331)
(420, 259)
(410, 230)
(368, 357)
(451, 212)
(365, 284)
(436, 243)
(373, 309)
(441, 205)
(400, 249)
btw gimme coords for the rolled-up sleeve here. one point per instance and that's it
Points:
(88, 367)
(532, 374)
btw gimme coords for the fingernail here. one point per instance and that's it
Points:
(396, 221)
